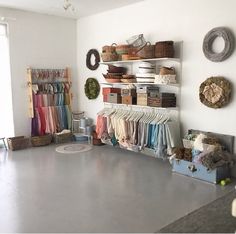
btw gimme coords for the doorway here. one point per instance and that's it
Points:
(6, 120)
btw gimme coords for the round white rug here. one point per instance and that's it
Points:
(73, 148)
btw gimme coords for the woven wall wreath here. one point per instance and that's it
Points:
(89, 62)
(208, 42)
(215, 92)
(91, 88)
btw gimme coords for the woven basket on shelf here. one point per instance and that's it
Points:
(41, 140)
(108, 57)
(62, 138)
(167, 71)
(17, 143)
(109, 49)
(164, 49)
(147, 52)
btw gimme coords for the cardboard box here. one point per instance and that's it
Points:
(128, 92)
(142, 99)
(129, 100)
(147, 89)
(114, 98)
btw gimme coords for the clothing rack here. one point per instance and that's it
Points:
(172, 112)
(152, 132)
(50, 98)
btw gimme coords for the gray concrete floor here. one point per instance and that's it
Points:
(102, 190)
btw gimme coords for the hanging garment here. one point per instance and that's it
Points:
(68, 116)
(42, 130)
(137, 131)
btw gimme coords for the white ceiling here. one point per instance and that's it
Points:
(55, 7)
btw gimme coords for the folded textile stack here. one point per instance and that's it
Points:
(146, 73)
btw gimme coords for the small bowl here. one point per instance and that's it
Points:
(112, 76)
(113, 80)
(128, 80)
(115, 69)
(128, 76)
(115, 74)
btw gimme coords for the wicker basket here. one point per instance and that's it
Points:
(137, 40)
(17, 143)
(41, 140)
(167, 71)
(109, 49)
(62, 138)
(96, 141)
(108, 57)
(164, 49)
(122, 49)
(147, 52)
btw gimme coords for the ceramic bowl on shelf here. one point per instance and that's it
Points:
(128, 80)
(108, 57)
(111, 76)
(113, 80)
(146, 65)
(145, 70)
(128, 76)
(114, 74)
(129, 57)
(115, 69)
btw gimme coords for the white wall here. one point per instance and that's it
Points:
(187, 20)
(39, 41)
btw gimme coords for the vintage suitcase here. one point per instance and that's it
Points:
(106, 91)
(198, 171)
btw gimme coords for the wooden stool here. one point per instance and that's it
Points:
(3, 140)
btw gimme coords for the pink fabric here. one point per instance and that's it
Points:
(38, 120)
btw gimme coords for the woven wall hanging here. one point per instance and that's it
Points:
(91, 88)
(215, 92)
(208, 42)
(89, 64)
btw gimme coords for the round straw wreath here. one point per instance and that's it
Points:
(208, 42)
(215, 92)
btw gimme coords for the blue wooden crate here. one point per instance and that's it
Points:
(198, 171)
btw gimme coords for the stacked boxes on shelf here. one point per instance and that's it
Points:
(144, 92)
(111, 95)
(129, 96)
(163, 100)
(151, 96)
